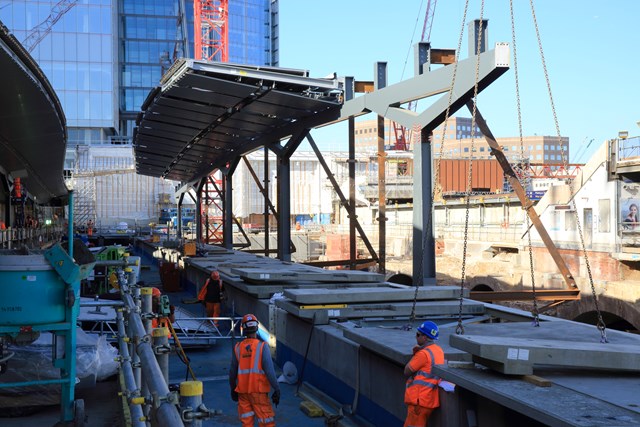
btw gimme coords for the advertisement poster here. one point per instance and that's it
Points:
(629, 214)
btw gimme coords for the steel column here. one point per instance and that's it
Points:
(380, 82)
(352, 193)
(267, 202)
(424, 259)
(284, 207)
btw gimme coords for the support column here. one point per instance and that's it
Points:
(227, 218)
(380, 83)
(201, 185)
(179, 225)
(424, 259)
(352, 193)
(284, 208)
(266, 201)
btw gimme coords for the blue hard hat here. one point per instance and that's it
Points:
(430, 329)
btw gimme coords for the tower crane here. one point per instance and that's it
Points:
(211, 30)
(403, 135)
(40, 31)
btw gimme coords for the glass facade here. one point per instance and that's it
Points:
(150, 39)
(103, 57)
(73, 43)
(152, 34)
(253, 32)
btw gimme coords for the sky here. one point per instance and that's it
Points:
(591, 51)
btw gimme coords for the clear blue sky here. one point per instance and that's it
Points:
(591, 50)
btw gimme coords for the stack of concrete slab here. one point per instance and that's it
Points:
(320, 305)
(514, 348)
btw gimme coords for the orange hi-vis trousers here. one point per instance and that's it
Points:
(255, 405)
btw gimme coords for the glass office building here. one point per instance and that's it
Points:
(153, 33)
(73, 43)
(103, 57)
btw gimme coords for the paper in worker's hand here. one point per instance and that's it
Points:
(447, 386)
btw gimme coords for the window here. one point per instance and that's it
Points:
(466, 149)
(546, 147)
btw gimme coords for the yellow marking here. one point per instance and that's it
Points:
(321, 306)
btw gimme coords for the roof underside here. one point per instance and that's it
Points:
(32, 124)
(207, 114)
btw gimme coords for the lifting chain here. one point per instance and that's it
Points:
(600, 323)
(535, 312)
(436, 174)
(460, 327)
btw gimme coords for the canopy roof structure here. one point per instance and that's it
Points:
(204, 115)
(32, 124)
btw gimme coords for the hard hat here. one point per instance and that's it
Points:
(155, 292)
(430, 329)
(250, 323)
(215, 274)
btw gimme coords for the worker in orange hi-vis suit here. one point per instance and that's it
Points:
(421, 392)
(251, 376)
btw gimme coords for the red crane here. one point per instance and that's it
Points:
(211, 30)
(403, 135)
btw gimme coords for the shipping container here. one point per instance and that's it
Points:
(487, 176)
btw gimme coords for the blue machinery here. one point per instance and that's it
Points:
(41, 292)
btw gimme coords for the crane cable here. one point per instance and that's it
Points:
(436, 174)
(600, 324)
(460, 327)
(535, 312)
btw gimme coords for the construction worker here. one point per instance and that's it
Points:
(211, 295)
(90, 228)
(421, 392)
(250, 375)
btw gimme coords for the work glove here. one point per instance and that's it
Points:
(234, 395)
(275, 397)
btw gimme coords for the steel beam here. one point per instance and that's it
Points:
(343, 201)
(510, 174)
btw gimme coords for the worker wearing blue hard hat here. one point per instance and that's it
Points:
(421, 392)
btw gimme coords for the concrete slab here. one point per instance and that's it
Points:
(519, 355)
(349, 295)
(516, 348)
(267, 290)
(397, 309)
(555, 405)
(297, 272)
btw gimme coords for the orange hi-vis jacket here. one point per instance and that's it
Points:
(251, 376)
(422, 386)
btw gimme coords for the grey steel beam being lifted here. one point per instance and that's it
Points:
(387, 102)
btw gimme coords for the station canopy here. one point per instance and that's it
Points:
(32, 124)
(206, 114)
